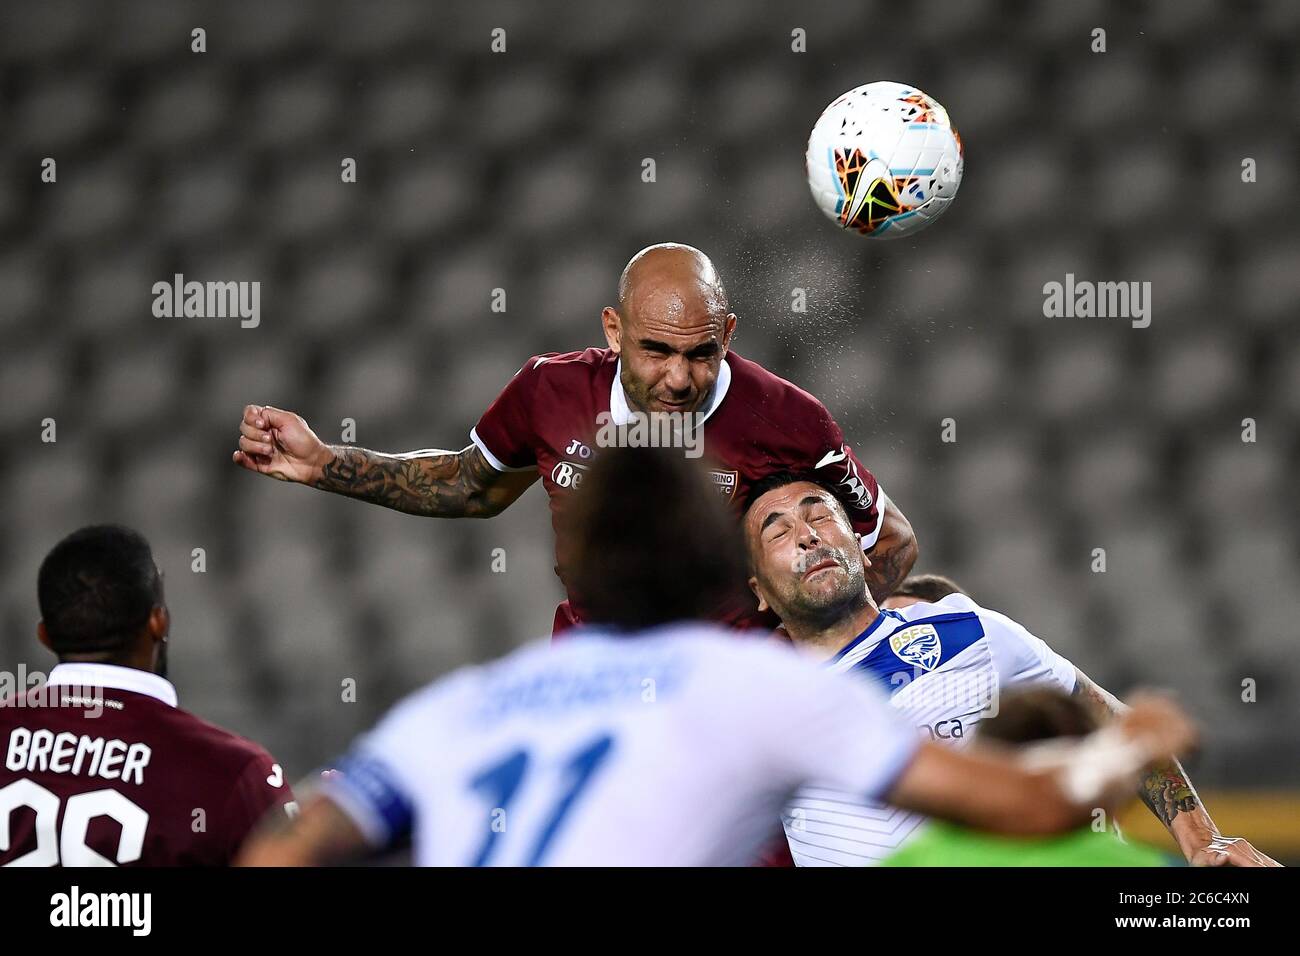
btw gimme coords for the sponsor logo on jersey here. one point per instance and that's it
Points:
(578, 448)
(917, 645)
(855, 492)
(725, 482)
(945, 729)
(568, 474)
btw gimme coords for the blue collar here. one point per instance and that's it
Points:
(871, 628)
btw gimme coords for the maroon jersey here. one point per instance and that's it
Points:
(102, 769)
(756, 424)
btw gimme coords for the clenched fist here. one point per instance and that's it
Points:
(280, 444)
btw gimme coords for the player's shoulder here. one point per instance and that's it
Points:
(214, 744)
(726, 655)
(682, 648)
(955, 616)
(770, 395)
(952, 607)
(795, 431)
(949, 605)
(594, 659)
(677, 646)
(570, 366)
(996, 626)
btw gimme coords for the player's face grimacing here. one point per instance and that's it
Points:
(671, 330)
(671, 369)
(807, 561)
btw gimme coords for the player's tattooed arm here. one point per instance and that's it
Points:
(445, 484)
(433, 482)
(1165, 790)
(893, 555)
(1172, 799)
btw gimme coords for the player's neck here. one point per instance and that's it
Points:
(136, 661)
(824, 640)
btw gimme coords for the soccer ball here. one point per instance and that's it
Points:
(883, 159)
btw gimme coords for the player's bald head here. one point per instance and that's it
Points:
(671, 282)
(671, 329)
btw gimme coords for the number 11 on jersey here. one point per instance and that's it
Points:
(500, 783)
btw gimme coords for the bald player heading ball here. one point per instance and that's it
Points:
(668, 351)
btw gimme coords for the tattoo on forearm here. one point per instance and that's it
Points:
(439, 484)
(888, 569)
(1167, 792)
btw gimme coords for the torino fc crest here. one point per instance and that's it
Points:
(725, 482)
(917, 645)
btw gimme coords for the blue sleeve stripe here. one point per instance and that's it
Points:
(367, 792)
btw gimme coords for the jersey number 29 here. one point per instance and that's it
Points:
(69, 844)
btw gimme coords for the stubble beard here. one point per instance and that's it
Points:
(818, 617)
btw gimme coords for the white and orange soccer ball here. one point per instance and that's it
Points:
(884, 160)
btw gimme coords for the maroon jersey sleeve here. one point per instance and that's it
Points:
(831, 458)
(259, 790)
(506, 434)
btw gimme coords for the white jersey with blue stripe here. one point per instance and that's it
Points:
(943, 665)
(676, 747)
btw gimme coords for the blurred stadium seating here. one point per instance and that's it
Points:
(522, 171)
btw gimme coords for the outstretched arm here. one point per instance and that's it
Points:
(431, 482)
(1054, 789)
(1169, 795)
